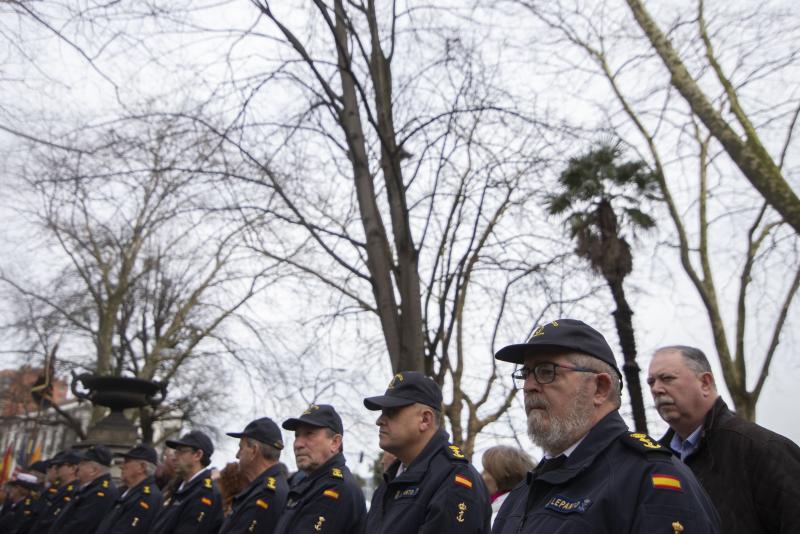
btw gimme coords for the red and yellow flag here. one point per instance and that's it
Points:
(8, 460)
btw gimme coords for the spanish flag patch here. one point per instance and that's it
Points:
(667, 482)
(463, 481)
(261, 503)
(206, 501)
(144, 505)
(333, 494)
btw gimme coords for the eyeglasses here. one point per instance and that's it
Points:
(544, 373)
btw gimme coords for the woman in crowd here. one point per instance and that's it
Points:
(503, 468)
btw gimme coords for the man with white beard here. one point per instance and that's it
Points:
(596, 475)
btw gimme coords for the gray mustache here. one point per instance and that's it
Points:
(533, 402)
(664, 399)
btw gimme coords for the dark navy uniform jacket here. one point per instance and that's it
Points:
(327, 501)
(12, 513)
(614, 482)
(53, 506)
(87, 508)
(135, 511)
(259, 507)
(21, 515)
(439, 493)
(195, 509)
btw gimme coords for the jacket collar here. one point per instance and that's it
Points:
(134, 492)
(337, 460)
(419, 467)
(719, 413)
(205, 473)
(599, 438)
(102, 482)
(258, 482)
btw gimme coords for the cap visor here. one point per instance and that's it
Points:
(385, 401)
(174, 444)
(235, 434)
(294, 422)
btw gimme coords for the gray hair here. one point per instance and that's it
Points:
(590, 362)
(149, 469)
(267, 451)
(694, 358)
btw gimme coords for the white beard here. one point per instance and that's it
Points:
(555, 435)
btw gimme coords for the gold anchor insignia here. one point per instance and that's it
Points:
(310, 409)
(677, 527)
(456, 451)
(395, 379)
(540, 329)
(271, 483)
(318, 526)
(461, 509)
(646, 441)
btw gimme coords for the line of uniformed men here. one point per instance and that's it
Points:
(323, 497)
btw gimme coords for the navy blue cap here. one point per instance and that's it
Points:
(569, 334)
(264, 430)
(140, 452)
(194, 439)
(39, 467)
(97, 453)
(405, 388)
(68, 457)
(321, 415)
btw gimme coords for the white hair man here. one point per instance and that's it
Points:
(137, 507)
(596, 475)
(751, 474)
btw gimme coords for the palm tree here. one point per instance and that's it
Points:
(601, 198)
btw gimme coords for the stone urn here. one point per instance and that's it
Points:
(118, 393)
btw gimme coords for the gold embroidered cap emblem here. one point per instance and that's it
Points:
(395, 379)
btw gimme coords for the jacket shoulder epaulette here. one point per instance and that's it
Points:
(337, 473)
(454, 453)
(644, 444)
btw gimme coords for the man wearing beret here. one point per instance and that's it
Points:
(259, 506)
(596, 475)
(22, 494)
(196, 506)
(95, 496)
(137, 507)
(65, 464)
(328, 499)
(431, 488)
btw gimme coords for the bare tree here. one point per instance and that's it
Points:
(152, 270)
(405, 208)
(751, 244)
(745, 146)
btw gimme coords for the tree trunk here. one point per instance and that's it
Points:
(623, 321)
(749, 154)
(146, 425)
